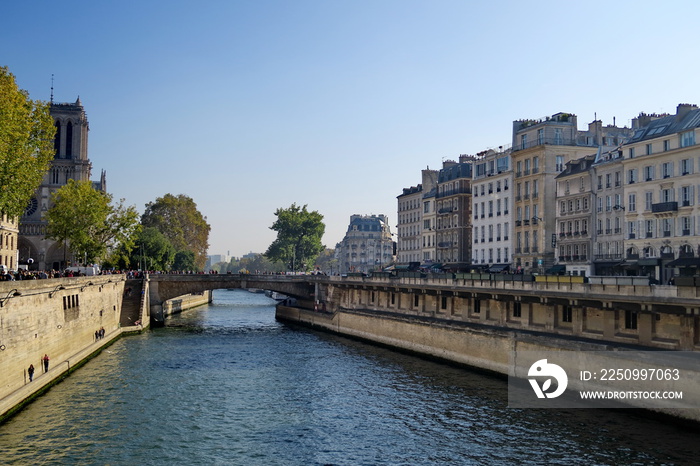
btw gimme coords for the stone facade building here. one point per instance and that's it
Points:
(408, 243)
(8, 242)
(454, 211)
(492, 213)
(541, 148)
(70, 162)
(662, 183)
(367, 245)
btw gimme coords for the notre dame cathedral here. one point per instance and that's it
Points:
(70, 162)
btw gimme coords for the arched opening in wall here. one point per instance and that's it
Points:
(57, 258)
(69, 140)
(57, 140)
(28, 255)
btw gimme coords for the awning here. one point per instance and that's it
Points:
(648, 262)
(555, 269)
(499, 267)
(685, 262)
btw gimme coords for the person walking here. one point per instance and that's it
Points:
(30, 371)
(46, 362)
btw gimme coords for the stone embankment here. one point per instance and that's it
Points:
(59, 318)
(484, 347)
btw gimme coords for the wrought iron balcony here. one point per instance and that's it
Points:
(664, 207)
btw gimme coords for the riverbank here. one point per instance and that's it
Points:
(484, 347)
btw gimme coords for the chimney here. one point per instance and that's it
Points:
(683, 109)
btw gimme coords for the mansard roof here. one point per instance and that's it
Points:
(686, 118)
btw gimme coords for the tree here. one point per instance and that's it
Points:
(184, 261)
(85, 219)
(26, 145)
(178, 219)
(299, 234)
(152, 251)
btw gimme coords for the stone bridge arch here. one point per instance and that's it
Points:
(162, 287)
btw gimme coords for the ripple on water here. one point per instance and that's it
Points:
(227, 384)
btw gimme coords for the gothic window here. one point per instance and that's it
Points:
(69, 140)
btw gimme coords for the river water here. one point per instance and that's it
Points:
(227, 384)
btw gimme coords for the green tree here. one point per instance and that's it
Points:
(152, 251)
(178, 219)
(184, 261)
(26, 145)
(84, 219)
(299, 234)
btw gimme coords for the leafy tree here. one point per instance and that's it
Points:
(299, 234)
(178, 219)
(152, 250)
(85, 219)
(184, 261)
(26, 145)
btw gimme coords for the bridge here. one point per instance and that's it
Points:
(162, 287)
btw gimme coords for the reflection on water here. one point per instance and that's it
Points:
(227, 384)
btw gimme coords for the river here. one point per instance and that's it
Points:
(228, 384)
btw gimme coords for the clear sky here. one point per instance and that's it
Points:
(251, 105)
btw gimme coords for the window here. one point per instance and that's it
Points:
(558, 137)
(600, 204)
(685, 225)
(667, 195)
(687, 195)
(566, 314)
(648, 200)
(667, 169)
(632, 202)
(648, 173)
(667, 145)
(559, 162)
(688, 138)
(517, 309)
(631, 152)
(632, 230)
(630, 320)
(535, 164)
(649, 149)
(632, 176)
(540, 136)
(686, 166)
(523, 141)
(477, 306)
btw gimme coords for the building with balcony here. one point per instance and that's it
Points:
(453, 216)
(367, 244)
(429, 217)
(409, 237)
(540, 150)
(492, 215)
(661, 164)
(70, 162)
(608, 214)
(574, 216)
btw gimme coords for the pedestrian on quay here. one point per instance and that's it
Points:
(30, 371)
(102, 332)
(97, 335)
(46, 362)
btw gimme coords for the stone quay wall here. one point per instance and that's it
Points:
(57, 318)
(478, 346)
(189, 301)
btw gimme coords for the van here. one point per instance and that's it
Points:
(88, 271)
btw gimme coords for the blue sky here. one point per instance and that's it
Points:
(251, 105)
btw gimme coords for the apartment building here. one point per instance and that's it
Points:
(409, 237)
(429, 217)
(540, 150)
(492, 218)
(574, 215)
(453, 219)
(661, 185)
(367, 244)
